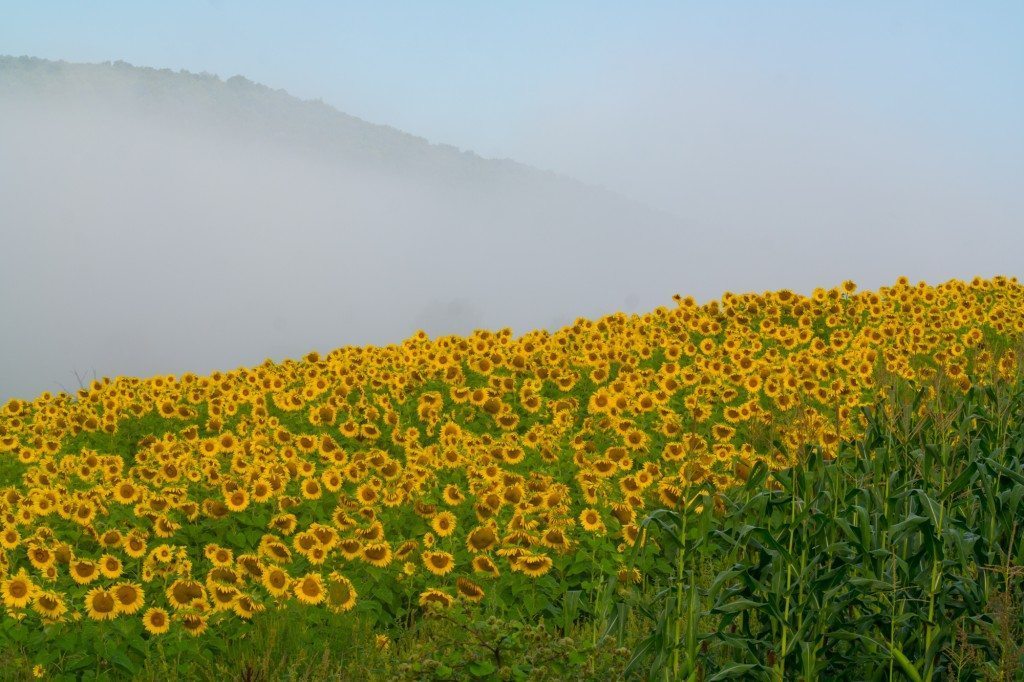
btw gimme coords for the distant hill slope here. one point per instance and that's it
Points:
(238, 107)
(158, 221)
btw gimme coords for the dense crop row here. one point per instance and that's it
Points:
(509, 471)
(901, 558)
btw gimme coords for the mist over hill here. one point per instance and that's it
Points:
(157, 221)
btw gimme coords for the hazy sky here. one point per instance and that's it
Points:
(793, 144)
(629, 95)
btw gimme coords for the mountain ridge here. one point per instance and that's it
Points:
(155, 88)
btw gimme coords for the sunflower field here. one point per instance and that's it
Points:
(524, 475)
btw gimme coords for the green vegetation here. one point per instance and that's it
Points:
(899, 559)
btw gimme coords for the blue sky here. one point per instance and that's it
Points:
(492, 76)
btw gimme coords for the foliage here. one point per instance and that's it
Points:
(901, 557)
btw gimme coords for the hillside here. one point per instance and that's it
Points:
(145, 187)
(247, 111)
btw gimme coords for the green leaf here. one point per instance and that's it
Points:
(738, 605)
(735, 670)
(483, 668)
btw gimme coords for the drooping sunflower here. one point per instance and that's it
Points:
(184, 592)
(194, 623)
(246, 607)
(484, 564)
(223, 596)
(534, 565)
(433, 597)
(377, 554)
(452, 495)
(470, 590)
(250, 565)
(481, 538)
(405, 549)
(438, 563)
(341, 595)
(554, 538)
(49, 604)
(350, 548)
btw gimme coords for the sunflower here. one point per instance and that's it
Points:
(49, 604)
(101, 604)
(261, 491)
(183, 593)
(591, 521)
(194, 623)
(367, 494)
(126, 493)
(332, 480)
(311, 489)
(554, 538)
(84, 571)
(438, 563)
(481, 538)
(443, 524)
(10, 538)
(40, 557)
(156, 621)
(350, 548)
(224, 596)
(305, 542)
(310, 589)
(433, 597)
(469, 589)
(129, 597)
(483, 564)
(405, 549)
(533, 565)
(236, 502)
(110, 566)
(377, 554)
(84, 514)
(341, 595)
(112, 538)
(276, 580)
(245, 607)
